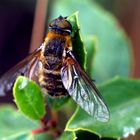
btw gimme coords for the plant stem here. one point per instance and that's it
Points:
(48, 123)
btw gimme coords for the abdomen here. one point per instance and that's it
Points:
(49, 75)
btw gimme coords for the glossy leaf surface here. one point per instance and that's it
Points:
(123, 99)
(29, 98)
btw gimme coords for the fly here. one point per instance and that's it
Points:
(55, 69)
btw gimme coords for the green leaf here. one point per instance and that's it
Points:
(68, 135)
(13, 125)
(123, 99)
(57, 103)
(77, 42)
(113, 56)
(84, 53)
(20, 136)
(28, 97)
(91, 48)
(73, 19)
(43, 136)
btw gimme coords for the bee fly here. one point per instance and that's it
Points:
(54, 67)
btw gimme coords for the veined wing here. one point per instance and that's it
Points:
(26, 67)
(82, 90)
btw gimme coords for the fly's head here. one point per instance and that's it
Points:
(61, 25)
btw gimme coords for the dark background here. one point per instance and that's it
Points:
(16, 20)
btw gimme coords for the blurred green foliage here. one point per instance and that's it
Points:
(13, 124)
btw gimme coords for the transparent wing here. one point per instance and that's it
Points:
(27, 67)
(83, 91)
